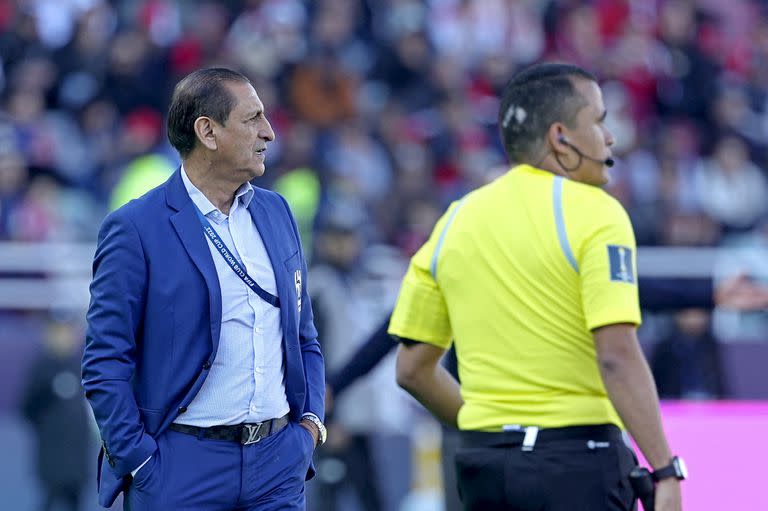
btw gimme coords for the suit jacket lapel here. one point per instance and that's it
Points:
(190, 233)
(261, 218)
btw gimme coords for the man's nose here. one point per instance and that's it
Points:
(267, 133)
(609, 140)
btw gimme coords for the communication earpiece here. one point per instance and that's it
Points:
(608, 162)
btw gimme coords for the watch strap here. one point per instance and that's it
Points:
(663, 473)
(671, 470)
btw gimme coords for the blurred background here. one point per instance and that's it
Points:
(385, 112)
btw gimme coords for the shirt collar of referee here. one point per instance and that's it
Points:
(526, 167)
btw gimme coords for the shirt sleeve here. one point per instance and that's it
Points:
(608, 269)
(420, 312)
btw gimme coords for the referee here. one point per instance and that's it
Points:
(533, 277)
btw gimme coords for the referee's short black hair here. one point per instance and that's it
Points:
(533, 99)
(200, 93)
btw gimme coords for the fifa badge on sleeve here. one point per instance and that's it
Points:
(297, 281)
(620, 262)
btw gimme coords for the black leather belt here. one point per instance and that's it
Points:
(598, 433)
(244, 434)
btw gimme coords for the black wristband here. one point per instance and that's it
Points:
(676, 469)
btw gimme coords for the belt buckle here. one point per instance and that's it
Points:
(251, 433)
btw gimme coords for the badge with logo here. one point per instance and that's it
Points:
(297, 281)
(620, 261)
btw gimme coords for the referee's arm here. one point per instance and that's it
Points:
(631, 388)
(420, 322)
(610, 300)
(421, 374)
(632, 391)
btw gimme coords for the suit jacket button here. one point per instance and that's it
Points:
(182, 409)
(207, 365)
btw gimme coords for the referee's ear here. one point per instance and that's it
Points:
(557, 136)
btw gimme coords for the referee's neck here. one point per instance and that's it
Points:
(549, 164)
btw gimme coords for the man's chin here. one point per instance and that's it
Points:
(605, 178)
(257, 171)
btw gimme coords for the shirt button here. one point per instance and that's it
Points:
(182, 409)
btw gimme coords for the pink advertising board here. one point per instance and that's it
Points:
(725, 445)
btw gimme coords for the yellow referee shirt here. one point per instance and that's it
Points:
(518, 273)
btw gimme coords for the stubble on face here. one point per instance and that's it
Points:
(591, 138)
(246, 134)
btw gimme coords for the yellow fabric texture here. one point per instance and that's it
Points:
(518, 312)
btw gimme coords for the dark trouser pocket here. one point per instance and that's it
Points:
(480, 478)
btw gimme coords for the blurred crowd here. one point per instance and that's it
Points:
(385, 109)
(385, 112)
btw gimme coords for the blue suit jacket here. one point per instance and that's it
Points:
(155, 317)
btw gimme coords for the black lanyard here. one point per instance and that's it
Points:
(233, 263)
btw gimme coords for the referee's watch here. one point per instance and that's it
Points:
(314, 419)
(676, 469)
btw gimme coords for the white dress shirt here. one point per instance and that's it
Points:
(246, 382)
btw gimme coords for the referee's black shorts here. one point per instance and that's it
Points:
(578, 468)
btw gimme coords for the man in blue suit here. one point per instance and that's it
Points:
(202, 363)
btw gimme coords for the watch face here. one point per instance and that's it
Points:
(680, 469)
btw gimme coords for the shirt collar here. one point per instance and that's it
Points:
(524, 167)
(244, 194)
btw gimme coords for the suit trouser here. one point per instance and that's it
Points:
(188, 473)
(586, 473)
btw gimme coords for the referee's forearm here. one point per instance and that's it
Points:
(438, 392)
(420, 373)
(632, 391)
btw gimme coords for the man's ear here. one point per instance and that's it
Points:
(204, 132)
(557, 138)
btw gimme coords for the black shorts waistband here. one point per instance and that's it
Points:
(242, 433)
(596, 432)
